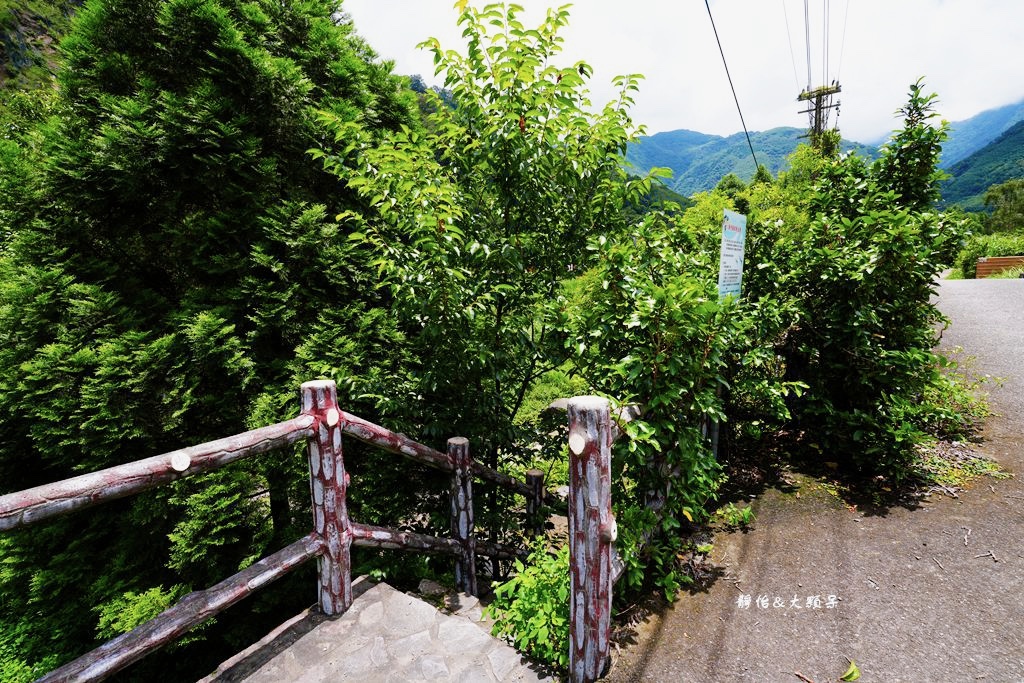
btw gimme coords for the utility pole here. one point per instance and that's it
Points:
(819, 103)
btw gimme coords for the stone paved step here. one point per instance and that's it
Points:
(385, 637)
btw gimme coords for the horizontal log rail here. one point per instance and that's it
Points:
(501, 479)
(384, 537)
(34, 505)
(321, 425)
(399, 444)
(190, 611)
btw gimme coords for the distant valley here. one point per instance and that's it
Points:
(983, 150)
(699, 160)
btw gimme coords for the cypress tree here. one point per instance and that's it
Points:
(178, 275)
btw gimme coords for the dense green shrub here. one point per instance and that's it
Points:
(1006, 201)
(861, 274)
(648, 328)
(653, 333)
(531, 609)
(998, 244)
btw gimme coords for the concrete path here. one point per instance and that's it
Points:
(934, 593)
(988, 323)
(385, 637)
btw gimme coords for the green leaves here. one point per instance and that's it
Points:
(852, 672)
(169, 273)
(857, 274)
(474, 221)
(124, 613)
(532, 608)
(657, 336)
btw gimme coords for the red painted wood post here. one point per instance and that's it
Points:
(534, 501)
(462, 513)
(591, 534)
(328, 482)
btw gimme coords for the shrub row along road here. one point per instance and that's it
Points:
(926, 592)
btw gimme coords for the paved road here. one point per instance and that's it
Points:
(913, 601)
(988, 322)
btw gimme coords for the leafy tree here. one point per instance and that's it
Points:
(732, 187)
(480, 219)
(861, 272)
(1006, 201)
(909, 164)
(175, 277)
(659, 198)
(763, 175)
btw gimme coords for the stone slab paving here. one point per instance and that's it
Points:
(385, 637)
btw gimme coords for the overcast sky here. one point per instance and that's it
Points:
(971, 52)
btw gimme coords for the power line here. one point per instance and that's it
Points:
(727, 75)
(842, 45)
(807, 40)
(789, 37)
(824, 41)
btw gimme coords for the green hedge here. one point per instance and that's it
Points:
(988, 245)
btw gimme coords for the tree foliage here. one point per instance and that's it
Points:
(1006, 201)
(860, 270)
(832, 336)
(170, 276)
(478, 220)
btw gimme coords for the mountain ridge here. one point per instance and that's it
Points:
(971, 135)
(995, 163)
(699, 160)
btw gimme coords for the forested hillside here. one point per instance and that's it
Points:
(29, 32)
(698, 160)
(997, 162)
(971, 135)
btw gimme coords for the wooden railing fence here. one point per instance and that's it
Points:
(321, 424)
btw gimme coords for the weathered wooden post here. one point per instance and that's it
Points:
(462, 513)
(534, 502)
(591, 534)
(328, 483)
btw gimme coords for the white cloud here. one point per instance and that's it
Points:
(968, 52)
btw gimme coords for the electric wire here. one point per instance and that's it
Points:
(789, 37)
(731, 86)
(824, 42)
(807, 40)
(842, 44)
